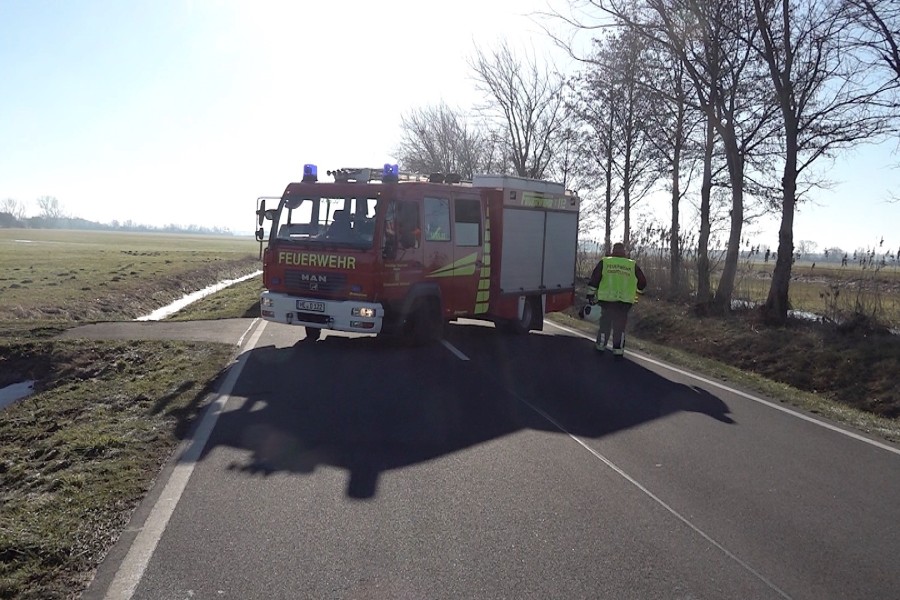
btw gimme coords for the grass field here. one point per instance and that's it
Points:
(829, 289)
(825, 289)
(79, 455)
(74, 276)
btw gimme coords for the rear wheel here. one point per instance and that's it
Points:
(530, 310)
(425, 324)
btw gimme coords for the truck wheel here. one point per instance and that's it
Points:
(530, 310)
(312, 334)
(425, 324)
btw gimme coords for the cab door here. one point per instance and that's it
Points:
(401, 250)
(453, 243)
(472, 273)
(437, 247)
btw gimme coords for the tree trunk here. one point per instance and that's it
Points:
(674, 245)
(735, 161)
(777, 304)
(607, 240)
(703, 275)
(626, 195)
(609, 167)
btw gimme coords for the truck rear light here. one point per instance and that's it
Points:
(361, 311)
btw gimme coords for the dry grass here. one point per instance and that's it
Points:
(59, 276)
(80, 454)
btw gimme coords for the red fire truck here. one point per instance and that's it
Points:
(377, 251)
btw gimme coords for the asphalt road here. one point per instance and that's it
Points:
(497, 466)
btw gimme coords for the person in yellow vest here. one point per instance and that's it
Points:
(615, 284)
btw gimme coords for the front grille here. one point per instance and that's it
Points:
(315, 282)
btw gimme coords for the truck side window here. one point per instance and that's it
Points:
(437, 219)
(408, 231)
(401, 227)
(467, 215)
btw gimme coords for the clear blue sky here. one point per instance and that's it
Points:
(178, 111)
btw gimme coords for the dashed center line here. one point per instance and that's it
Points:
(456, 351)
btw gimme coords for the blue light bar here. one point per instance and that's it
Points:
(390, 172)
(310, 173)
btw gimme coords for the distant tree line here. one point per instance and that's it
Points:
(53, 216)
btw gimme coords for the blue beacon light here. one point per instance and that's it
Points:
(390, 172)
(310, 173)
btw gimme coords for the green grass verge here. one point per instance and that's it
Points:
(81, 453)
(815, 403)
(240, 300)
(57, 276)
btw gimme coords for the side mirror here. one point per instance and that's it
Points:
(269, 214)
(261, 211)
(260, 234)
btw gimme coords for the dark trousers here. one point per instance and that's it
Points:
(613, 318)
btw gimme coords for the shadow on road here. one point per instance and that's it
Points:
(361, 406)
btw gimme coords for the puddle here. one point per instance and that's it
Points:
(171, 309)
(797, 314)
(15, 392)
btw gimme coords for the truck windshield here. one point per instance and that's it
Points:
(347, 221)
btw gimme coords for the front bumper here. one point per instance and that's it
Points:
(338, 315)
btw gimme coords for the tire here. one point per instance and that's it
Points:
(425, 323)
(523, 325)
(312, 334)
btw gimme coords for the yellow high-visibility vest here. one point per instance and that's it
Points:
(619, 283)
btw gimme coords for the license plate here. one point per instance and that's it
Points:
(310, 306)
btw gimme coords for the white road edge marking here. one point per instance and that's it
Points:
(135, 563)
(722, 386)
(240, 341)
(454, 350)
(656, 499)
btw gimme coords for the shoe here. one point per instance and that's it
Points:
(618, 353)
(599, 347)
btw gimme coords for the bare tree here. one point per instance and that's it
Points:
(593, 109)
(614, 105)
(628, 77)
(13, 207)
(672, 126)
(596, 133)
(878, 31)
(528, 100)
(826, 103)
(50, 207)
(709, 37)
(440, 139)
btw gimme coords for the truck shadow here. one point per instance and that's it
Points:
(366, 408)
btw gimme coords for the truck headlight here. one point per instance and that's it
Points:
(366, 313)
(266, 302)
